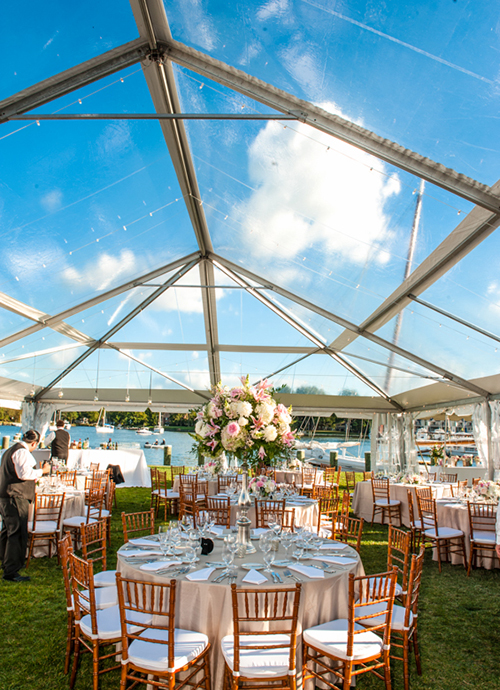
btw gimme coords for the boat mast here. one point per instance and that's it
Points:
(409, 262)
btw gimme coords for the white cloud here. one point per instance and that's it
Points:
(114, 139)
(186, 300)
(52, 201)
(308, 197)
(198, 24)
(103, 271)
(199, 380)
(274, 8)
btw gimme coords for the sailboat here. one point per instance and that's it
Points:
(158, 429)
(103, 428)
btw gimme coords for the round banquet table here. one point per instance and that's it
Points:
(362, 502)
(206, 606)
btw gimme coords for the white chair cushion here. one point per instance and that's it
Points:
(105, 597)
(418, 524)
(94, 512)
(385, 502)
(266, 663)
(172, 494)
(108, 624)
(483, 537)
(397, 621)
(43, 526)
(76, 521)
(331, 638)
(106, 578)
(444, 533)
(397, 589)
(154, 656)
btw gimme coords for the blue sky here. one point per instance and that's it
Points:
(86, 206)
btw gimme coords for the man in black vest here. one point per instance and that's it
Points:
(59, 441)
(17, 490)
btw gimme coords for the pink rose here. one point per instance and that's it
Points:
(233, 429)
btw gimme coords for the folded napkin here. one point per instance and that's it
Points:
(141, 541)
(218, 531)
(253, 577)
(334, 545)
(159, 565)
(306, 570)
(334, 559)
(139, 553)
(200, 575)
(260, 530)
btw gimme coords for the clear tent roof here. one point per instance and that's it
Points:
(333, 229)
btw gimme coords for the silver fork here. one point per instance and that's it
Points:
(288, 573)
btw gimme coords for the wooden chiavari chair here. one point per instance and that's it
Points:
(266, 510)
(219, 510)
(367, 476)
(404, 620)
(308, 481)
(415, 524)
(351, 531)
(328, 508)
(155, 653)
(105, 511)
(331, 476)
(382, 502)
(94, 466)
(167, 497)
(460, 486)
(350, 482)
(65, 548)
(175, 471)
(46, 525)
(188, 504)
(94, 505)
(441, 538)
(225, 481)
(276, 648)
(67, 478)
(288, 522)
(482, 524)
(155, 489)
(344, 648)
(398, 556)
(93, 539)
(95, 628)
(448, 478)
(134, 523)
(427, 492)
(475, 481)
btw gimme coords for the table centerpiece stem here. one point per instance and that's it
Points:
(245, 545)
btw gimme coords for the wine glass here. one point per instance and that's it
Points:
(298, 551)
(269, 560)
(190, 557)
(274, 524)
(163, 535)
(227, 555)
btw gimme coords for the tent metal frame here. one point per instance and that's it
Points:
(156, 50)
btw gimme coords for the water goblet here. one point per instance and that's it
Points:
(163, 534)
(269, 560)
(298, 552)
(227, 555)
(190, 557)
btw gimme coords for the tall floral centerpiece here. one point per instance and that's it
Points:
(247, 422)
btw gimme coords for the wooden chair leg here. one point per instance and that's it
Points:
(32, 541)
(416, 650)
(438, 548)
(95, 664)
(76, 659)
(406, 661)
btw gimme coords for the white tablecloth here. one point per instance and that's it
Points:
(132, 463)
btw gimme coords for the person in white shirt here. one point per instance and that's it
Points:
(17, 490)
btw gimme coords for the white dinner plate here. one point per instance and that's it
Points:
(250, 566)
(282, 564)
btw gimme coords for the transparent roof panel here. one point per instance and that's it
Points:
(59, 38)
(360, 56)
(443, 342)
(11, 323)
(96, 203)
(111, 369)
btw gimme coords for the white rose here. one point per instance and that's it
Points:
(233, 410)
(284, 428)
(244, 409)
(270, 433)
(210, 409)
(242, 421)
(199, 427)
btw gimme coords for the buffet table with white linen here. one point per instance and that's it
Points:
(362, 503)
(206, 607)
(132, 463)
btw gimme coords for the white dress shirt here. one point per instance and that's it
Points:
(25, 463)
(48, 439)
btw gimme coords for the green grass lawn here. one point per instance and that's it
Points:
(458, 622)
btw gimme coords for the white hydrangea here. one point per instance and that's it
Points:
(265, 412)
(242, 421)
(200, 428)
(233, 410)
(244, 408)
(270, 433)
(210, 408)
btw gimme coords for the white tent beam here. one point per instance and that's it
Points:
(210, 318)
(47, 321)
(74, 78)
(356, 330)
(474, 228)
(97, 344)
(340, 128)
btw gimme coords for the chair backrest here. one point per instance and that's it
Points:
(219, 509)
(226, 480)
(102, 475)
(398, 554)
(482, 517)
(267, 510)
(288, 522)
(331, 475)
(110, 496)
(424, 492)
(367, 476)
(185, 479)
(67, 478)
(380, 489)
(449, 478)
(411, 508)
(155, 479)
(350, 481)
(95, 500)
(413, 591)
(329, 492)
(187, 503)
(328, 501)
(155, 604)
(308, 476)
(83, 588)
(94, 466)
(48, 507)
(475, 481)
(427, 513)
(93, 538)
(143, 522)
(351, 531)
(370, 597)
(256, 610)
(65, 548)
(176, 470)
